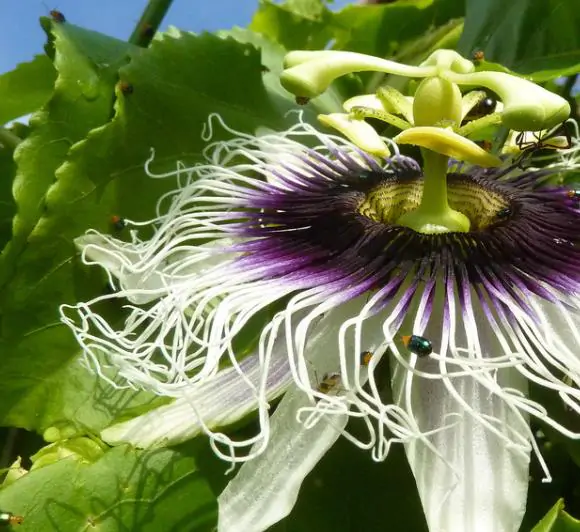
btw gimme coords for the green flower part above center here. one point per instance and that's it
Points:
(431, 119)
(526, 106)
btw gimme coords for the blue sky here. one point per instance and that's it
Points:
(21, 37)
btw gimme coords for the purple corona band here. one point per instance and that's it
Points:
(308, 230)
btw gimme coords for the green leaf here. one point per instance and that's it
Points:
(357, 28)
(538, 38)
(75, 401)
(302, 27)
(417, 50)
(312, 9)
(557, 520)
(174, 85)
(26, 88)
(383, 30)
(272, 55)
(82, 449)
(36, 266)
(81, 101)
(560, 453)
(126, 489)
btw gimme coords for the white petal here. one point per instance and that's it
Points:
(476, 483)
(218, 401)
(265, 489)
(143, 270)
(117, 258)
(472, 472)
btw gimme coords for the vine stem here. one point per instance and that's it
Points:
(149, 22)
(8, 139)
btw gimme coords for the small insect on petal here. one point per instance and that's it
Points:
(57, 16)
(574, 195)
(365, 357)
(503, 214)
(8, 518)
(418, 345)
(478, 56)
(330, 383)
(302, 100)
(118, 223)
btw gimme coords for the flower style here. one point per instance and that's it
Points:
(281, 269)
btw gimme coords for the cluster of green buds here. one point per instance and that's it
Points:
(431, 119)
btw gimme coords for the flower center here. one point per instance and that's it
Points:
(388, 200)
